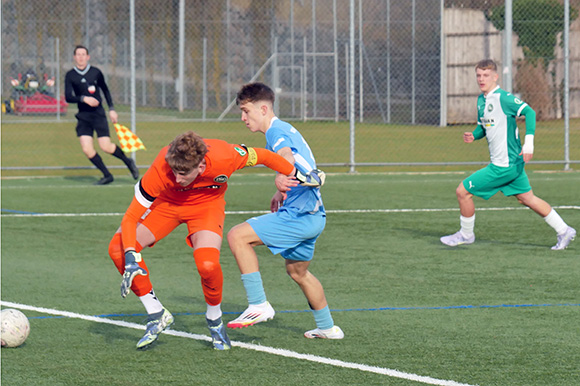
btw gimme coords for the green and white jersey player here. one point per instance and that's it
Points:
(497, 113)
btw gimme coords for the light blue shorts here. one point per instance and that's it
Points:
(290, 234)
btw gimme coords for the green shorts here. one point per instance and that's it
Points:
(488, 181)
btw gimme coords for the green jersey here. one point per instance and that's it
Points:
(497, 112)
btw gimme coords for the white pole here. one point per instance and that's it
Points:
(276, 76)
(87, 21)
(347, 80)
(388, 61)
(413, 83)
(335, 30)
(292, 56)
(443, 68)
(352, 88)
(567, 84)
(360, 62)
(228, 60)
(144, 80)
(507, 58)
(181, 65)
(204, 81)
(314, 88)
(133, 75)
(303, 94)
(58, 100)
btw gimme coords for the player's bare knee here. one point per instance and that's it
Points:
(234, 235)
(297, 276)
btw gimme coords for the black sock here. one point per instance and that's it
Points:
(120, 155)
(98, 162)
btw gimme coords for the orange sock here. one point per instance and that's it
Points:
(208, 265)
(141, 284)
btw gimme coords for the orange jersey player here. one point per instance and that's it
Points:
(186, 184)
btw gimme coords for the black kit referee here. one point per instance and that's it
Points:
(83, 85)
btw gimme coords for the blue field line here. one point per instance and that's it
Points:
(462, 307)
(18, 211)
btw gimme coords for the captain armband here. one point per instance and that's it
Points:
(252, 157)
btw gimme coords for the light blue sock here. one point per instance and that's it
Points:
(254, 287)
(323, 318)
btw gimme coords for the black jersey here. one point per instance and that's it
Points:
(88, 82)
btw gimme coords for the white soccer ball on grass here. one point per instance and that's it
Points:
(15, 327)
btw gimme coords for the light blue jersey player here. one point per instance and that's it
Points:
(497, 113)
(296, 221)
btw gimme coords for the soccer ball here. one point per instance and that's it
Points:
(15, 327)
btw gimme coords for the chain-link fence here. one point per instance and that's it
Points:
(414, 72)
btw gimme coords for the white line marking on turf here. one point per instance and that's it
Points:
(402, 210)
(248, 346)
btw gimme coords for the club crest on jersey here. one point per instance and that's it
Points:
(221, 179)
(490, 107)
(241, 151)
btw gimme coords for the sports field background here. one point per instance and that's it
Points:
(502, 311)
(39, 143)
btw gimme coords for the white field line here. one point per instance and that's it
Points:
(402, 210)
(248, 346)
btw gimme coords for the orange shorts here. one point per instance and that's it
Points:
(163, 217)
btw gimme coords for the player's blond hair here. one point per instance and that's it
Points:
(186, 152)
(486, 64)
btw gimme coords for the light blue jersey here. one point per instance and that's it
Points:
(292, 231)
(301, 199)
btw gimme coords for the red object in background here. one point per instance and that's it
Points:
(39, 104)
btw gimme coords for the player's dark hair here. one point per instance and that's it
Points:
(186, 152)
(81, 47)
(486, 64)
(254, 92)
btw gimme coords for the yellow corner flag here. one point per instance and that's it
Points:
(129, 141)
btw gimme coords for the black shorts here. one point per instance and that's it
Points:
(87, 124)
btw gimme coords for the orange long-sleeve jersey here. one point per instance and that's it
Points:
(222, 159)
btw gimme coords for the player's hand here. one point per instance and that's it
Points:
(468, 137)
(527, 156)
(284, 183)
(114, 117)
(528, 148)
(91, 101)
(132, 269)
(314, 178)
(277, 201)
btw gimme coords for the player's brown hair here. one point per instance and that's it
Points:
(186, 152)
(254, 92)
(486, 64)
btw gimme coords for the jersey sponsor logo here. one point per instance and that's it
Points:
(488, 122)
(221, 178)
(518, 101)
(241, 151)
(490, 107)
